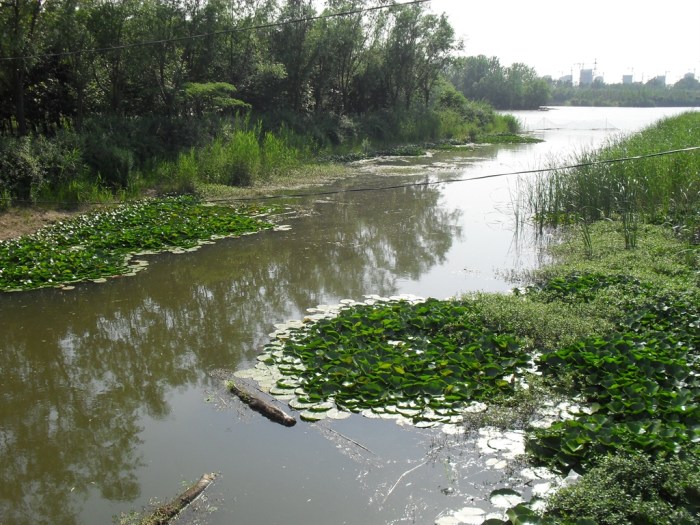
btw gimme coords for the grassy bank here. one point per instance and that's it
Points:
(657, 190)
(113, 159)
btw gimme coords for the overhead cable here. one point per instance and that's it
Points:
(415, 184)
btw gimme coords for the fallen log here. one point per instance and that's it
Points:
(258, 404)
(163, 514)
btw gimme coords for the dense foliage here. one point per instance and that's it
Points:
(100, 98)
(664, 492)
(67, 60)
(513, 87)
(641, 380)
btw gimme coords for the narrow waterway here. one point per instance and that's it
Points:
(108, 395)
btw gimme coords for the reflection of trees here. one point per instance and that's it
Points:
(79, 369)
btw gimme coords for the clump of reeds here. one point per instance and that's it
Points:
(651, 189)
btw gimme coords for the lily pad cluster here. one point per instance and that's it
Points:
(97, 245)
(642, 384)
(407, 358)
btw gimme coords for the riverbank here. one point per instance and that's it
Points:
(18, 221)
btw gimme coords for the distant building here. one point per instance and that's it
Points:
(585, 77)
(660, 80)
(566, 79)
(627, 79)
(689, 76)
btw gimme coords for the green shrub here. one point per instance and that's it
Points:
(21, 172)
(108, 161)
(511, 123)
(633, 490)
(5, 199)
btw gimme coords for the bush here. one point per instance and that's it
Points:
(21, 173)
(31, 167)
(512, 124)
(5, 199)
(633, 490)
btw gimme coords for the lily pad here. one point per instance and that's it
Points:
(505, 498)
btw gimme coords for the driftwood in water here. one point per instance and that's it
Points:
(260, 405)
(163, 514)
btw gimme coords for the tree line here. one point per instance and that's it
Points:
(505, 87)
(63, 61)
(684, 93)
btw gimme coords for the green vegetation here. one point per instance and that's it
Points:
(483, 78)
(684, 93)
(633, 489)
(101, 244)
(105, 164)
(90, 111)
(657, 190)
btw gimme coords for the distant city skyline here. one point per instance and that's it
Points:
(616, 38)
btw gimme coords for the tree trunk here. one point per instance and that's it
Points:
(18, 81)
(163, 514)
(259, 405)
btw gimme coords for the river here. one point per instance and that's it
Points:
(109, 400)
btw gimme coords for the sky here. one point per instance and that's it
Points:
(555, 37)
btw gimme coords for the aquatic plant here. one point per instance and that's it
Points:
(101, 244)
(425, 361)
(642, 382)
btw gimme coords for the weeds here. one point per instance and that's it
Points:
(659, 189)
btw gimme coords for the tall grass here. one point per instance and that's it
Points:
(129, 157)
(661, 189)
(240, 156)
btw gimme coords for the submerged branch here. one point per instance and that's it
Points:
(260, 405)
(163, 514)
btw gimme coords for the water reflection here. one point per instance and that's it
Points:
(81, 369)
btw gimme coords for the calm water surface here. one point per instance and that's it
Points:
(107, 399)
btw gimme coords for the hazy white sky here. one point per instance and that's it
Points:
(637, 37)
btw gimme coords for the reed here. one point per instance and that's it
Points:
(659, 190)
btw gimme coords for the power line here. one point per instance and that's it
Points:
(466, 179)
(215, 33)
(413, 184)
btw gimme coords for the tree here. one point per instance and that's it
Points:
(337, 47)
(687, 82)
(19, 25)
(290, 47)
(434, 52)
(514, 87)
